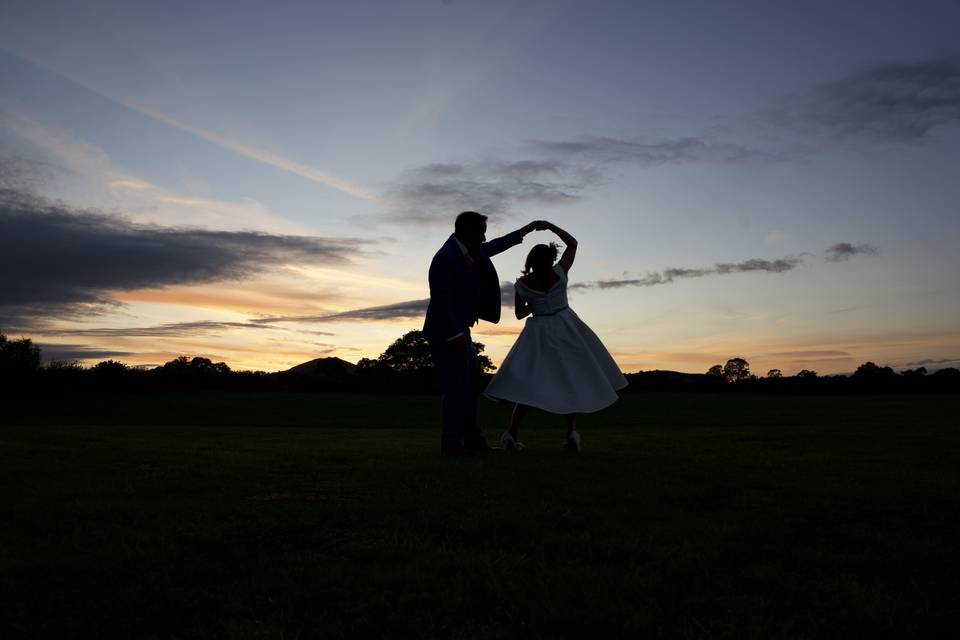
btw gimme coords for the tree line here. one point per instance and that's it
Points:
(405, 366)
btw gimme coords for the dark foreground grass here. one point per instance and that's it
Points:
(285, 516)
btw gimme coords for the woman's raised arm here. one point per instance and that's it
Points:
(566, 260)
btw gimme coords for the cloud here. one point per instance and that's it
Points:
(71, 352)
(395, 311)
(417, 308)
(55, 152)
(827, 353)
(770, 266)
(901, 102)
(848, 309)
(921, 363)
(56, 260)
(21, 174)
(898, 102)
(405, 310)
(94, 82)
(843, 251)
(507, 292)
(261, 155)
(171, 329)
(646, 153)
(670, 275)
(433, 192)
(837, 253)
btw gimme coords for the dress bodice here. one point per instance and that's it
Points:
(544, 303)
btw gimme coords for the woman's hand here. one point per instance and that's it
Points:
(536, 225)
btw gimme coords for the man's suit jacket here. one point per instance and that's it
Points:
(460, 295)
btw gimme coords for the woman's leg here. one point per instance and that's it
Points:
(519, 411)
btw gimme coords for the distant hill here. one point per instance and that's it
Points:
(672, 380)
(333, 368)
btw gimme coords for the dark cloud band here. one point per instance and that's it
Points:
(72, 352)
(56, 260)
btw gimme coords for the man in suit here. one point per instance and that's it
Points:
(464, 287)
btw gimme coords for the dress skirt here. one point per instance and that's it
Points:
(558, 364)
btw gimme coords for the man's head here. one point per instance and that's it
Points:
(471, 229)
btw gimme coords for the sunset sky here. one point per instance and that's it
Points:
(266, 183)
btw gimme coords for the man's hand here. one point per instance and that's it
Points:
(536, 225)
(459, 343)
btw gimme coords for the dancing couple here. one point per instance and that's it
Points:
(557, 363)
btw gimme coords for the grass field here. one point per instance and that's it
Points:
(286, 516)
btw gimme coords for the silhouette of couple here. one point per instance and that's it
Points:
(557, 363)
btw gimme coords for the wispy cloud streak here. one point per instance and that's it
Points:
(166, 330)
(668, 276)
(394, 311)
(241, 148)
(261, 155)
(647, 153)
(416, 308)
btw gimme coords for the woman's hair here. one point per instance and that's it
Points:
(540, 258)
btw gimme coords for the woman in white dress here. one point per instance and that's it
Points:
(557, 363)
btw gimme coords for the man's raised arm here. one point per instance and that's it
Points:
(501, 244)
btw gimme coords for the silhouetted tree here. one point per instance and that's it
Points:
(486, 365)
(946, 376)
(109, 375)
(62, 375)
(914, 373)
(806, 373)
(736, 369)
(178, 364)
(774, 373)
(208, 367)
(364, 364)
(715, 370)
(870, 371)
(109, 366)
(18, 358)
(411, 352)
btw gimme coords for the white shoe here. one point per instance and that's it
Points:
(509, 443)
(573, 442)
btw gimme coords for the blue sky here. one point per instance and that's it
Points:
(663, 135)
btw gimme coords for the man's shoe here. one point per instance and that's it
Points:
(573, 442)
(478, 444)
(481, 448)
(456, 452)
(509, 443)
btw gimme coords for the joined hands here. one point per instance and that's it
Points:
(536, 225)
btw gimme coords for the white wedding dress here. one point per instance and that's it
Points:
(557, 363)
